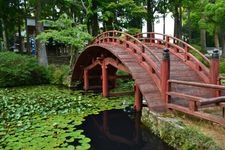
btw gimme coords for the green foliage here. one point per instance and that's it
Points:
(18, 70)
(222, 66)
(133, 31)
(46, 117)
(123, 84)
(129, 14)
(177, 134)
(65, 31)
(59, 74)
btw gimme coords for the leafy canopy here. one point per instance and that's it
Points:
(65, 31)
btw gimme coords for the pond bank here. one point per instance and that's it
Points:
(177, 133)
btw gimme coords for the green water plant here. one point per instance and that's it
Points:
(47, 117)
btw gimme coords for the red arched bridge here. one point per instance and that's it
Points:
(168, 73)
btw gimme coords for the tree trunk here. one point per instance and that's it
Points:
(176, 17)
(216, 39)
(203, 40)
(178, 22)
(150, 16)
(5, 47)
(223, 43)
(94, 19)
(189, 25)
(41, 49)
(164, 25)
(20, 38)
(26, 27)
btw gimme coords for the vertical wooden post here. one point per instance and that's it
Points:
(138, 99)
(105, 89)
(86, 80)
(165, 73)
(152, 37)
(214, 69)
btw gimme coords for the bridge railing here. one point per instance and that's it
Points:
(195, 102)
(191, 56)
(135, 47)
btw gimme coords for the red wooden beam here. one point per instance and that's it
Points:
(116, 64)
(198, 84)
(165, 73)
(86, 80)
(138, 99)
(105, 88)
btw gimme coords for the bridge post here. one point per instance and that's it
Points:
(214, 69)
(86, 80)
(105, 88)
(138, 99)
(165, 73)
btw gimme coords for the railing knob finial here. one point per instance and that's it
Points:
(215, 54)
(166, 54)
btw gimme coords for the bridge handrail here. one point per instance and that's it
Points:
(128, 37)
(138, 46)
(198, 84)
(174, 38)
(179, 45)
(195, 102)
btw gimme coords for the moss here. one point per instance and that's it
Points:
(174, 132)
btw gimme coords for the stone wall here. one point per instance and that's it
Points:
(174, 132)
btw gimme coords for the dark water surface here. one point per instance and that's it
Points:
(119, 130)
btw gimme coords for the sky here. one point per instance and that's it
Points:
(159, 25)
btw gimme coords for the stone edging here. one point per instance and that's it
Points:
(176, 133)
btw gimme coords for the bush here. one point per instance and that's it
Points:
(59, 74)
(17, 70)
(222, 66)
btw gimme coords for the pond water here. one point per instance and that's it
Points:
(120, 130)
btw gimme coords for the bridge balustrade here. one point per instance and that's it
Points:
(181, 49)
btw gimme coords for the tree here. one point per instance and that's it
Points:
(215, 20)
(41, 49)
(65, 31)
(10, 15)
(151, 9)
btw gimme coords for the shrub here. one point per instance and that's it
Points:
(17, 70)
(222, 66)
(59, 74)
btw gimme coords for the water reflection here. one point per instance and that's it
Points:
(118, 130)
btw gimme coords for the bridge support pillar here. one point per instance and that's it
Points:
(165, 73)
(86, 80)
(138, 99)
(214, 69)
(105, 88)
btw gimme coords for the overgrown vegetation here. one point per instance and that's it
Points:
(176, 133)
(59, 74)
(46, 117)
(16, 70)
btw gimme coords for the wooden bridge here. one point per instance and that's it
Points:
(168, 73)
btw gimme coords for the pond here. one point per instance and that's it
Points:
(120, 130)
(63, 119)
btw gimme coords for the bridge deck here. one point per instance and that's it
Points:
(147, 86)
